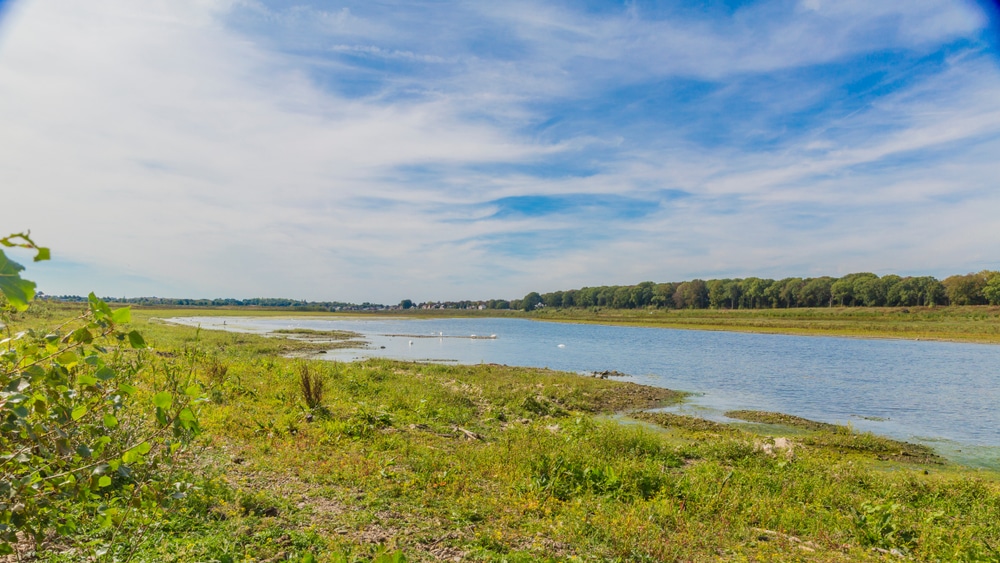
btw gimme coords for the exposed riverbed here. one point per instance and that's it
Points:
(939, 393)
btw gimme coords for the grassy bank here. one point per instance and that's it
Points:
(960, 324)
(493, 463)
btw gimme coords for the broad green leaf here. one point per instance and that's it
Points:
(186, 415)
(79, 411)
(104, 373)
(136, 340)
(99, 308)
(104, 481)
(82, 335)
(144, 448)
(67, 358)
(127, 389)
(163, 400)
(131, 456)
(18, 291)
(193, 390)
(86, 380)
(123, 315)
(110, 421)
(42, 254)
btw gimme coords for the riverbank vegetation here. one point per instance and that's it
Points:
(400, 461)
(958, 324)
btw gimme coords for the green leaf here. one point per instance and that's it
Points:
(79, 411)
(17, 290)
(104, 374)
(193, 390)
(136, 340)
(104, 481)
(144, 448)
(163, 400)
(67, 358)
(110, 421)
(123, 315)
(82, 335)
(127, 389)
(98, 307)
(131, 456)
(186, 415)
(42, 254)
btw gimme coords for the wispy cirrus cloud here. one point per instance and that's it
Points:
(375, 151)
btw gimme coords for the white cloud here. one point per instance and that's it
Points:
(166, 147)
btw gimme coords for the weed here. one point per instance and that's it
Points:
(311, 385)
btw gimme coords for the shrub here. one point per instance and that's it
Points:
(82, 448)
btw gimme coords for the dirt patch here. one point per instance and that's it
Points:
(632, 397)
(671, 420)
(766, 417)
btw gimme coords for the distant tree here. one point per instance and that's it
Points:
(815, 292)
(663, 294)
(642, 294)
(785, 292)
(622, 298)
(554, 299)
(967, 289)
(691, 295)
(753, 291)
(931, 291)
(846, 290)
(531, 301)
(569, 298)
(406, 303)
(869, 291)
(991, 291)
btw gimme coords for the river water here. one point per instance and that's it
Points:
(939, 393)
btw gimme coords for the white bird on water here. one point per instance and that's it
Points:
(411, 343)
(561, 346)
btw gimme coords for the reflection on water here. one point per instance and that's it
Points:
(906, 389)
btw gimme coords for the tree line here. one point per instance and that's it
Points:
(862, 289)
(265, 302)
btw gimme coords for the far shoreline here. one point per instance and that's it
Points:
(969, 324)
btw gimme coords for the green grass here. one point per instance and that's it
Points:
(960, 324)
(494, 463)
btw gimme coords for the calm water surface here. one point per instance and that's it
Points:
(940, 393)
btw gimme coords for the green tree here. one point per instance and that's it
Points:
(967, 289)
(553, 299)
(406, 304)
(531, 301)
(787, 291)
(815, 292)
(691, 295)
(991, 291)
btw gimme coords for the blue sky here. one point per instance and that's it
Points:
(375, 151)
